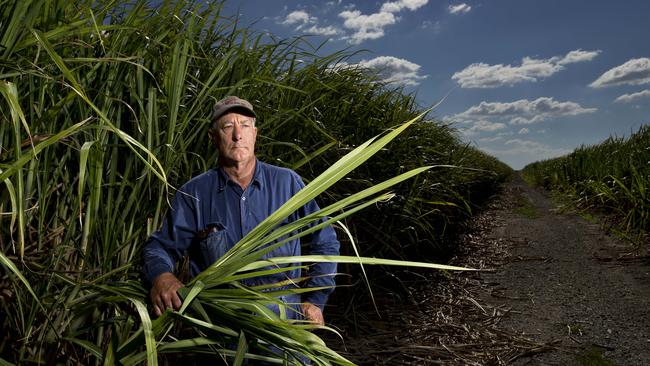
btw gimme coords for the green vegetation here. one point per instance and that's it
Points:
(104, 111)
(612, 177)
(593, 357)
(526, 208)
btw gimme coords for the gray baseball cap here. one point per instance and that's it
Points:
(232, 103)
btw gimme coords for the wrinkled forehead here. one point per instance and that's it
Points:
(234, 117)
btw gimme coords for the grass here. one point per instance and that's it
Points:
(593, 357)
(104, 109)
(589, 217)
(526, 208)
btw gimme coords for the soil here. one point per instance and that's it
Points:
(553, 289)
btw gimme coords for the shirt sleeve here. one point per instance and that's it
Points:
(321, 242)
(167, 245)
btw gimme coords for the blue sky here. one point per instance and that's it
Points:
(527, 79)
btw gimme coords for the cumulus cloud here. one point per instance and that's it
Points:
(490, 139)
(308, 24)
(299, 17)
(366, 26)
(629, 98)
(522, 111)
(634, 72)
(372, 26)
(578, 56)
(395, 70)
(482, 75)
(356, 27)
(523, 131)
(527, 120)
(459, 9)
(397, 6)
(483, 126)
(323, 31)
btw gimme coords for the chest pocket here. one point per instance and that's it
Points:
(213, 245)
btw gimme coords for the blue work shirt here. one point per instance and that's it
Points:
(212, 198)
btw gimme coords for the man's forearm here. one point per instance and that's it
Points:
(321, 276)
(156, 260)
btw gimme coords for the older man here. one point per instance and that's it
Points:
(214, 210)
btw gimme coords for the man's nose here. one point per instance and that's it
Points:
(236, 132)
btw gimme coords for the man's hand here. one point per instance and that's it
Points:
(163, 293)
(312, 313)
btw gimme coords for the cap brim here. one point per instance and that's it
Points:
(233, 108)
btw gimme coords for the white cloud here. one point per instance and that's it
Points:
(482, 75)
(323, 31)
(527, 120)
(483, 126)
(486, 126)
(634, 72)
(372, 26)
(459, 9)
(395, 70)
(578, 56)
(366, 26)
(397, 6)
(629, 98)
(490, 139)
(299, 17)
(522, 111)
(356, 27)
(308, 24)
(523, 131)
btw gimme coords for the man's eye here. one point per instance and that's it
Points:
(227, 126)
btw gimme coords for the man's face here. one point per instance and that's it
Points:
(234, 135)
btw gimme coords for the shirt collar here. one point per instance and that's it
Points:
(224, 179)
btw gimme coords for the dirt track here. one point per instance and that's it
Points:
(555, 290)
(568, 282)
